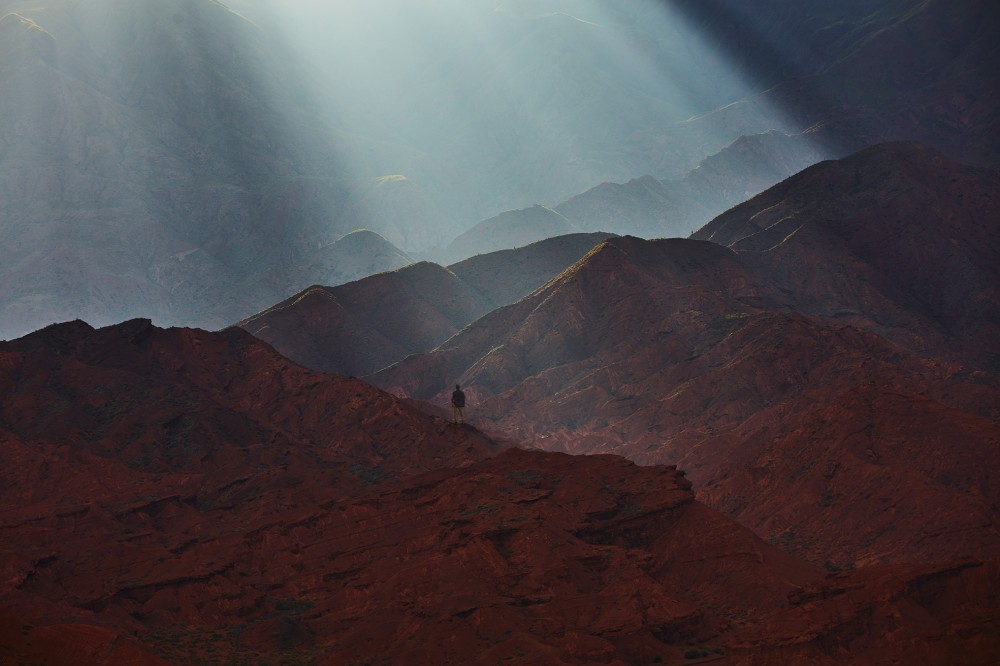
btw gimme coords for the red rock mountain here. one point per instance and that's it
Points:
(900, 240)
(364, 326)
(121, 444)
(807, 379)
(183, 497)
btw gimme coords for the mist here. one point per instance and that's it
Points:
(490, 106)
(195, 162)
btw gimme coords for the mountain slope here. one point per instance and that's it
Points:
(162, 156)
(167, 394)
(731, 363)
(916, 71)
(361, 327)
(507, 276)
(179, 497)
(916, 230)
(655, 208)
(126, 180)
(354, 256)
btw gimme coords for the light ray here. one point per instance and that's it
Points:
(502, 105)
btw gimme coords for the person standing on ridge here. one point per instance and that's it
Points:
(457, 404)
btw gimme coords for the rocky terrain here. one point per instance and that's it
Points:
(808, 358)
(210, 503)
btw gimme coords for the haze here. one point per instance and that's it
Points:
(499, 105)
(183, 162)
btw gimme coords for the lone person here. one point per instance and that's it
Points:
(457, 403)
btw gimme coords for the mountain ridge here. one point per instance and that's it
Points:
(360, 327)
(351, 527)
(164, 182)
(689, 352)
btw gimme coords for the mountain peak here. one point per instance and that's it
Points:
(510, 229)
(22, 37)
(917, 230)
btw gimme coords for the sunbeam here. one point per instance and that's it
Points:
(492, 106)
(241, 139)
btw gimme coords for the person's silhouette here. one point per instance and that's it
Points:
(457, 404)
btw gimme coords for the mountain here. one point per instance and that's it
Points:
(793, 381)
(361, 327)
(908, 237)
(353, 256)
(184, 161)
(892, 71)
(924, 73)
(161, 157)
(210, 502)
(137, 138)
(655, 208)
(511, 229)
(507, 276)
(168, 394)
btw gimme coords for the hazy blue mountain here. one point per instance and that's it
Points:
(142, 145)
(355, 255)
(184, 160)
(510, 229)
(655, 208)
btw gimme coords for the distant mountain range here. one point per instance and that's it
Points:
(194, 178)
